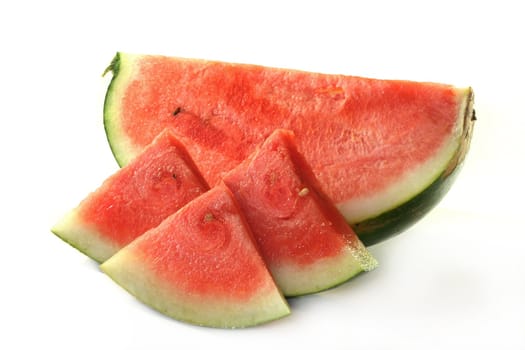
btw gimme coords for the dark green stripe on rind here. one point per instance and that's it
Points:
(397, 220)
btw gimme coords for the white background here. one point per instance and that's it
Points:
(455, 280)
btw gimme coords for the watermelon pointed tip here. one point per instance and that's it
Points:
(113, 66)
(367, 261)
(72, 230)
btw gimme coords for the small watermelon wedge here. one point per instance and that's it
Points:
(305, 241)
(384, 151)
(136, 198)
(201, 265)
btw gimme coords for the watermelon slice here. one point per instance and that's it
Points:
(305, 241)
(201, 265)
(384, 151)
(136, 198)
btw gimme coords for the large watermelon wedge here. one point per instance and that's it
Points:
(305, 241)
(201, 265)
(384, 151)
(136, 198)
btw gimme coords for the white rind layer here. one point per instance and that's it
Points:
(327, 273)
(74, 231)
(133, 275)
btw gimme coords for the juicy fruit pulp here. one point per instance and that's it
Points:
(374, 145)
(201, 265)
(136, 198)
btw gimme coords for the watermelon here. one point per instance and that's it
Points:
(201, 265)
(303, 238)
(136, 198)
(384, 151)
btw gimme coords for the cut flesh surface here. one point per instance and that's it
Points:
(374, 145)
(305, 241)
(201, 265)
(136, 198)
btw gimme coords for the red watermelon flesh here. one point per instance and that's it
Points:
(201, 265)
(136, 198)
(305, 241)
(373, 144)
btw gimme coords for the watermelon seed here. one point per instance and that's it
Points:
(303, 192)
(177, 111)
(208, 217)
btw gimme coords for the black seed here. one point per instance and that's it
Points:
(177, 111)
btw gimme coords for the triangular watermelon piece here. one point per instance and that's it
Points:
(305, 241)
(201, 265)
(136, 198)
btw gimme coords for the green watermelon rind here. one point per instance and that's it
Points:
(110, 127)
(401, 218)
(372, 229)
